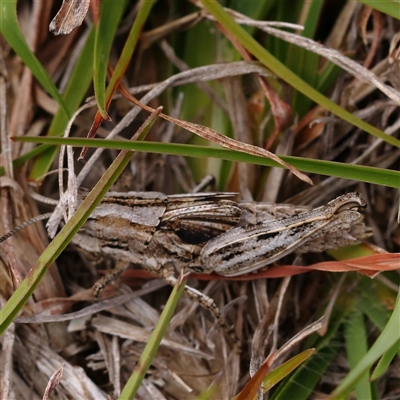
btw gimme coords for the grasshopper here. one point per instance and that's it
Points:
(212, 233)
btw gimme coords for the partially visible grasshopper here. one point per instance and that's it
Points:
(248, 247)
(210, 232)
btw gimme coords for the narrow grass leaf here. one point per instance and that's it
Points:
(212, 135)
(388, 338)
(371, 305)
(110, 17)
(250, 390)
(349, 252)
(330, 168)
(152, 345)
(129, 47)
(304, 379)
(123, 62)
(27, 156)
(357, 347)
(276, 375)
(389, 7)
(303, 62)
(385, 361)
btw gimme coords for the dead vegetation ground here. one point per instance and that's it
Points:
(195, 353)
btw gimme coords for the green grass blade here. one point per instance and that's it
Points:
(110, 16)
(276, 375)
(328, 77)
(27, 156)
(389, 7)
(201, 39)
(152, 345)
(286, 74)
(349, 252)
(257, 10)
(330, 168)
(303, 381)
(388, 338)
(129, 47)
(302, 62)
(357, 347)
(371, 305)
(10, 29)
(385, 361)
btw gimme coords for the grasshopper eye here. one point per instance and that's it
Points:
(349, 201)
(351, 205)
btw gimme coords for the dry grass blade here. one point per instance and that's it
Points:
(224, 141)
(71, 15)
(36, 352)
(53, 382)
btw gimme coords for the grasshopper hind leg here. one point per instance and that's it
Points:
(205, 301)
(167, 273)
(101, 283)
(110, 277)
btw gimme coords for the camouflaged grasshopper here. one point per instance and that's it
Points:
(210, 232)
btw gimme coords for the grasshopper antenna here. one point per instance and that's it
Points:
(208, 180)
(24, 225)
